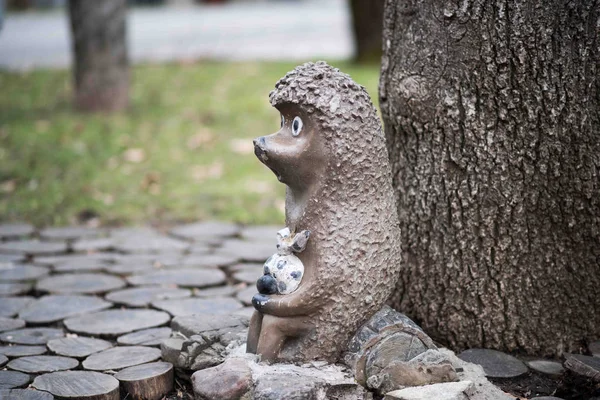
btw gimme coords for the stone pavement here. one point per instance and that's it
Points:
(274, 30)
(98, 301)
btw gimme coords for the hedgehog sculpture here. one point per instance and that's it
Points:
(330, 153)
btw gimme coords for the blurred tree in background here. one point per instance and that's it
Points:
(100, 54)
(367, 25)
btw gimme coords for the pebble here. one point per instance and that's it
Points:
(495, 363)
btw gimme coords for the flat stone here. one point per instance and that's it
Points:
(594, 348)
(70, 233)
(182, 307)
(201, 324)
(145, 337)
(245, 296)
(495, 364)
(143, 296)
(150, 244)
(80, 283)
(218, 291)
(53, 308)
(262, 233)
(42, 364)
(170, 351)
(249, 276)
(546, 367)
(15, 230)
(147, 381)
(245, 312)
(273, 387)
(10, 306)
(31, 335)
(10, 324)
(78, 347)
(228, 381)
(121, 357)
(202, 231)
(90, 265)
(181, 277)
(22, 350)
(93, 244)
(14, 289)
(13, 379)
(248, 251)
(584, 365)
(439, 391)
(21, 272)
(24, 394)
(116, 322)
(79, 385)
(33, 247)
(207, 261)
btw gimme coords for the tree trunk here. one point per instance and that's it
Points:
(100, 54)
(492, 119)
(367, 24)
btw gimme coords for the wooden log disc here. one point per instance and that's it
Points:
(78, 347)
(248, 251)
(147, 381)
(18, 350)
(181, 277)
(249, 276)
(143, 296)
(42, 364)
(70, 233)
(21, 272)
(146, 337)
(207, 261)
(81, 385)
(15, 230)
(31, 335)
(121, 357)
(205, 231)
(150, 244)
(13, 379)
(182, 307)
(33, 247)
(52, 261)
(126, 269)
(91, 265)
(14, 288)
(3, 360)
(53, 308)
(10, 306)
(116, 322)
(93, 244)
(217, 291)
(10, 324)
(80, 283)
(24, 394)
(5, 258)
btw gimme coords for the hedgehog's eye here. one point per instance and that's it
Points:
(296, 126)
(282, 121)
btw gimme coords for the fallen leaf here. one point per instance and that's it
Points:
(134, 155)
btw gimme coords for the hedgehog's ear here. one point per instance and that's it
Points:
(300, 240)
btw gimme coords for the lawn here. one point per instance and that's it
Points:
(182, 152)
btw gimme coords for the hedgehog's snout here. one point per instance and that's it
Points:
(259, 149)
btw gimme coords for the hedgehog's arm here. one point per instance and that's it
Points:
(304, 301)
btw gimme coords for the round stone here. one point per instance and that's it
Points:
(14, 289)
(181, 277)
(78, 347)
(33, 247)
(69, 233)
(13, 379)
(202, 231)
(9, 324)
(53, 308)
(21, 272)
(143, 296)
(80, 283)
(10, 306)
(22, 350)
(121, 357)
(42, 364)
(15, 230)
(546, 367)
(495, 363)
(182, 307)
(145, 337)
(79, 385)
(31, 335)
(116, 322)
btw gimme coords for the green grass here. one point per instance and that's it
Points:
(181, 152)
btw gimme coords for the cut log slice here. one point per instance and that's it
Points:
(70, 233)
(245, 296)
(91, 265)
(584, 365)
(18, 350)
(78, 347)
(146, 337)
(31, 335)
(249, 276)
(13, 379)
(141, 297)
(248, 251)
(80, 385)
(42, 364)
(126, 269)
(21, 272)
(24, 394)
(147, 381)
(52, 261)
(80, 283)
(14, 289)
(10, 324)
(33, 247)
(10, 306)
(16, 230)
(207, 261)
(11, 258)
(182, 307)
(93, 244)
(205, 231)
(116, 322)
(265, 233)
(217, 291)
(150, 244)
(181, 277)
(3, 360)
(121, 357)
(57, 307)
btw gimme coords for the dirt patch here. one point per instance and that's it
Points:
(533, 384)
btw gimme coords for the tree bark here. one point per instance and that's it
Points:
(367, 25)
(492, 120)
(100, 54)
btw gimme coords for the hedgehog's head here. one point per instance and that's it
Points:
(320, 108)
